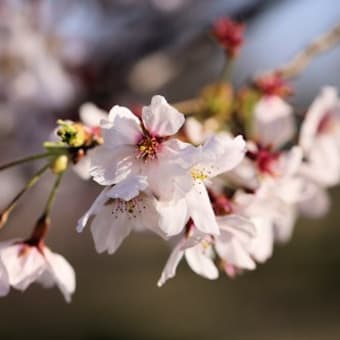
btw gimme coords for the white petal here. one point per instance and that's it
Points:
(169, 270)
(161, 119)
(263, 243)
(82, 168)
(220, 154)
(122, 128)
(112, 166)
(316, 202)
(147, 216)
(62, 272)
(234, 243)
(321, 106)
(128, 188)
(91, 115)
(23, 263)
(273, 122)
(323, 164)
(201, 263)
(173, 216)
(167, 180)
(200, 209)
(4, 281)
(284, 223)
(96, 206)
(109, 230)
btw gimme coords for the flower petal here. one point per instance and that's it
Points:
(128, 188)
(173, 216)
(201, 263)
(23, 263)
(62, 272)
(200, 209)
(169, 270)
(91, 115)
(109, 231)
(4, 281)
(112, 166)
(220, 154)
(321, 106)
(96, 206)
(122, 128)
(161, 119)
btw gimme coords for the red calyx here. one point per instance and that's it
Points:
(273, 85)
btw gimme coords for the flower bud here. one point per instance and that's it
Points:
(59, 164)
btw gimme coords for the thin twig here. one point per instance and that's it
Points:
(33, 180)
(25, 160)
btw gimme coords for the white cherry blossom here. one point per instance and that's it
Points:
(141, 147)
(320, 141)
(232, 247)
(22, 264)
(118, 210)
(219, 154)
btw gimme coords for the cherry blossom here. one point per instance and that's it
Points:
(141, 147)
(22, 264)
(200, 250)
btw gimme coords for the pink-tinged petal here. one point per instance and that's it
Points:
(112, 166)
(273, 122)
(263, 244)
(128, 188)
(201, 263)
(320, 107)
(200, 209)
(323, 163)
(316, 201)
(173, 216)
(220, 154)
(91, 115)
(121, 128)
(24, 264)
(169, 270)
(161, 119)
(62, 272)
(109, 230)
(291, 161)
(96, 206)
(4, 281)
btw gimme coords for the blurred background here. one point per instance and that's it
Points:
(55, 55)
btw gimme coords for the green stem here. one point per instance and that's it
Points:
(227, 70)
(51, 197)
(24, 160)
(6, 212)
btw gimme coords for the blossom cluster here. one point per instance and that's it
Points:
(221, 188)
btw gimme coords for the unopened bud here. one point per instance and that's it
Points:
(59, 164)
(229, 35)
